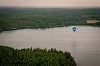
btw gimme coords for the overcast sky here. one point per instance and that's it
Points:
(50, 3)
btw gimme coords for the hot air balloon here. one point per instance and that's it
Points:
(74, 29)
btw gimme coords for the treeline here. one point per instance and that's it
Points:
(18, 18)
(34, 57)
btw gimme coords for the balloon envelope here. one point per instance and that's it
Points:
(74, 29)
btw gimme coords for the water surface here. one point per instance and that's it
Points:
(84, 44)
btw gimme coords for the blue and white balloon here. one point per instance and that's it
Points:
(74, 29)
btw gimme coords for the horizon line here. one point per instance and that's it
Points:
(50, 6)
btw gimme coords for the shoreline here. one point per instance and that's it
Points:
(49, 27)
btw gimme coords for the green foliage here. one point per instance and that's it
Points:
(98, 24)
(18, 18)
(34, 57)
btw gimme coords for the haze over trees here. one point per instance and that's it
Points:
(18, 18)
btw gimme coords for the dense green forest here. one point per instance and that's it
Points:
(34, 57)
(18, 18)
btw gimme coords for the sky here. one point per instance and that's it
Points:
(48, 3)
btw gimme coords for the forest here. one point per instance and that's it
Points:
(18, 18)
(34, 57)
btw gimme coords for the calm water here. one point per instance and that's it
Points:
(84, 44)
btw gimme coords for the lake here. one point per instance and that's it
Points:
(84, 44)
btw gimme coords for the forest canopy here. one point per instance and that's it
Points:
(18, 18)
(34, 57)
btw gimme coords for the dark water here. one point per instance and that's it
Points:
(84, 44)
